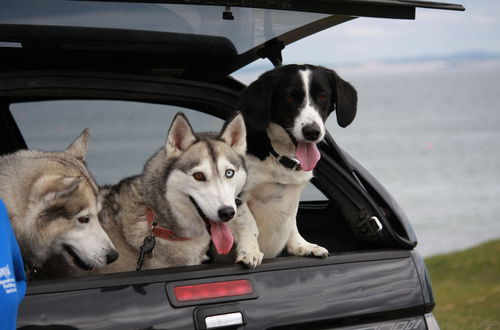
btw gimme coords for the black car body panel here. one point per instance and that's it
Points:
(373, 279)
(373, 286)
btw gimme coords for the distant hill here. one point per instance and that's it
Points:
(469, 56)
(454, 62)
(468, 61)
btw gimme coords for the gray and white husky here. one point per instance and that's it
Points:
(52, 201)
(189, 187)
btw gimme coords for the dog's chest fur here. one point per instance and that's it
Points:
(274, 193)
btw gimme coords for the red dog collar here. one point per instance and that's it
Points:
(161, 232)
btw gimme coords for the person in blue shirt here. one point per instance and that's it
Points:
(12, 277)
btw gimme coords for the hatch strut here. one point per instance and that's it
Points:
(272, 51)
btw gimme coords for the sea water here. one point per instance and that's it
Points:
(433, 140)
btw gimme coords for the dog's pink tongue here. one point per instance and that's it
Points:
(221, 236)
(308, 155)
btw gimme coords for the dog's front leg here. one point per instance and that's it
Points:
(245, 233)
(298, 246)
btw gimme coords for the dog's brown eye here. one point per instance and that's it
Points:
(198, 176)
(295, 96)
(323, 97)
(84, 219)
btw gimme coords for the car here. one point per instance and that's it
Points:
(124, 68)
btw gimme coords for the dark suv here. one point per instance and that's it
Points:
(124, 68)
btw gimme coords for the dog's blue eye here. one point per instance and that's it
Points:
(84, 219)
(229, 173)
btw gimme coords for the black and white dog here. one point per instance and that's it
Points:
(285, 111)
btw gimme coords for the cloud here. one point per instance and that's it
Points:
(433, 32)
(366, 31)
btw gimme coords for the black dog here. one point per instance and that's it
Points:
(285, 111)
(299, 98)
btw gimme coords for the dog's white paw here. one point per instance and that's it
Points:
(250, 259)
(309, 249)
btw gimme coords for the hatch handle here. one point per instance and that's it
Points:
(228, 316)
(224, 320)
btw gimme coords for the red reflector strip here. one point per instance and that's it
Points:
(213, 290)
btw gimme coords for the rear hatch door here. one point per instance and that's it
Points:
(207, 40)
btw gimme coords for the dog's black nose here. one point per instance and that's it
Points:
(111, 256)
(226, 213)
(311, 132)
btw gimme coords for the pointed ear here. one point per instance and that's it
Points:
(180, 135)
(255, 102)
(78, 148)
(49, 189)
(346, 99)
(234, 133)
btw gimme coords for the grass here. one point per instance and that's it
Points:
(466, 286)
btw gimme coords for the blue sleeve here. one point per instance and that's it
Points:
(18, 265)
(12, 277)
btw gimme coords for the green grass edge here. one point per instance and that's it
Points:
(466, 286)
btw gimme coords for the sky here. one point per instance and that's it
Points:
(434, 32)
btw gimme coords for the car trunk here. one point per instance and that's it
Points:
(372, 276)
(369, 239)
(370, 217)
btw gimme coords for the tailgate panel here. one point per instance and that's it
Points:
(332, 293)
(325, 294)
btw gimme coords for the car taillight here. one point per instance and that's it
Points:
(213, 290)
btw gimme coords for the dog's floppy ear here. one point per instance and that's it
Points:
(51, 188)
(346, 99)
(234, 133)
(78, 148)
(255, 102)
(180, 135)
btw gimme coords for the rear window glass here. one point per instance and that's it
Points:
(123, 134)
(249, 28)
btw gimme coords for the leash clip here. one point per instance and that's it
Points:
(153, 225)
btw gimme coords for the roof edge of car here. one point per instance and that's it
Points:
(402, 9)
